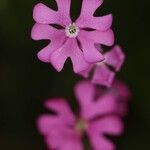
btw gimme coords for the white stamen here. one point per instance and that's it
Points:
(72, 30)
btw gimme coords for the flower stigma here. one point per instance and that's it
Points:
(72, 30)
(81, 125)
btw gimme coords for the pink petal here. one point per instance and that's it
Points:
(91, 107)
(45, 15)
(111, 125)
(88, 39)
(46, 123)
(99, 23)
(100, 142)
(85, 73)
(121, 90)
(46, 32)
(64, 139)
(87, 20)
(53, 140)
(69, 49)
(115, 57)
(59, 57)
(89, 7)
(61, 107)
(64, 11)
(123, 95)
(103, 75)
(45, 53)
(91, 54)
(104, 38)
(40, 32)
(104, 105)
(72, 144)
(79, 63)
(84, 92)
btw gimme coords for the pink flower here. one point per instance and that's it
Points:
(62, 130)
(74, 40)
(104, 72)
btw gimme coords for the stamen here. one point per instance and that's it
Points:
(72, 30)
(81, 125)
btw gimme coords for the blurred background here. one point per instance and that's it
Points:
(26, 82)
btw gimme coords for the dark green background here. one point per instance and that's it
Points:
(26, 82)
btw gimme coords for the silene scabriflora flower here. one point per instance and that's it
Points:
(75, 40)
(103, 73)
(97, 118)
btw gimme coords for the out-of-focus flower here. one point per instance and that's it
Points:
(123, 96)
(63, 130)
(104, 72)
(75, 40)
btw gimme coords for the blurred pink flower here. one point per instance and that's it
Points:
(104, 72)
(62, 130)
(74, 40)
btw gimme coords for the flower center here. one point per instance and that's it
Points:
(72, 30)
(81, 125)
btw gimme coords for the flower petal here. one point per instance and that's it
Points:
(45, 53)
(85, 73)
(115, 57)
(89, 7)
(104, 105)
(69, 49)
(62, 109)
(99, 23)
(121, 90)
(59, 57)
(78, 61)
(73, 144)
(87, 20)
(111, 125)
(84, 92)
(90, 106)
(91, 54)
(104, 38)
(100, 142)
(103, 75)
(46, 123)
(56, 140)
(64, 12)
(46, 32)
(40, 32)
(123, 95)
(45, 15)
